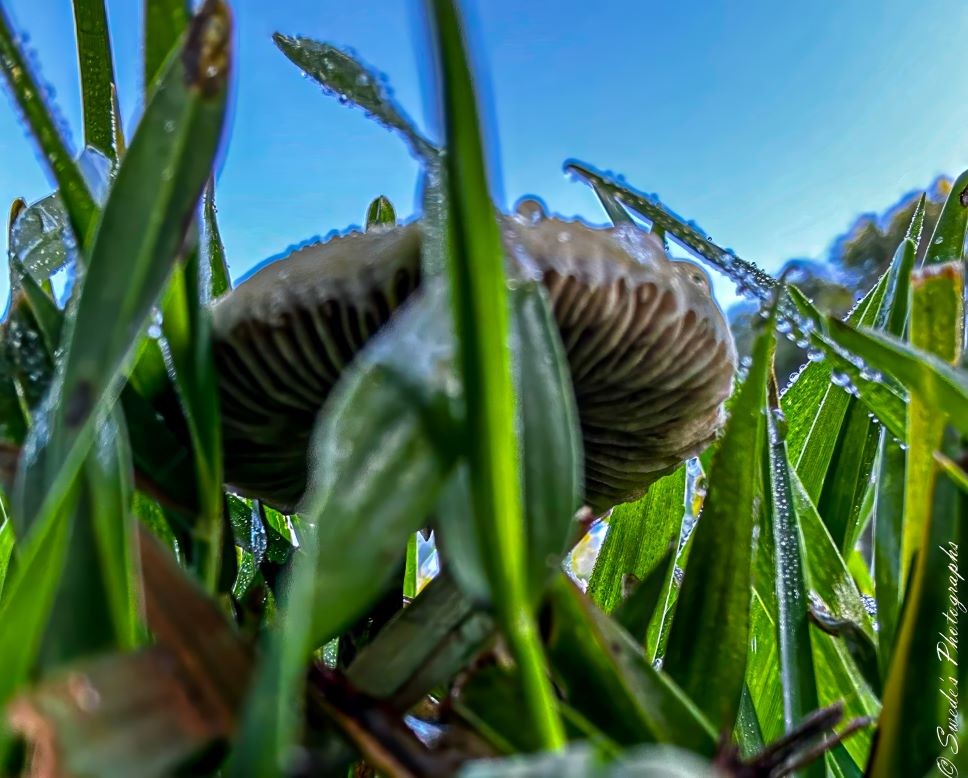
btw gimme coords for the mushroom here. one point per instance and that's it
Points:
(650, 354)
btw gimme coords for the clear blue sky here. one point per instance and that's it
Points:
(771, 124)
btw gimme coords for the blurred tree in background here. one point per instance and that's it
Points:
(855, 261)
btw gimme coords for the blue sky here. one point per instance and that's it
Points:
(771, 124)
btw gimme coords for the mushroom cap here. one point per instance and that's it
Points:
(651, 356)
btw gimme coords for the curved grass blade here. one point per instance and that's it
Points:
(747, 276)
(888, 532)
(948, 241)
(6, 551)
(140, 234)
(475, 265)
(30, 98)
(639, 536)
(715, 597)
(97, 74)
(944, 387)
(342, 75)
(390, 421)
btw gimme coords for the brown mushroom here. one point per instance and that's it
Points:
(651, 356)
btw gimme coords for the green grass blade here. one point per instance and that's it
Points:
(380, 213)
(220, 281)
(150, 206)
(392, 403)
(59, 161)
(639, 536)
(165, 21)
(27, 602)
(944, 387)
(480, 310)
(937, 321)
(796, 658)
(605, 676)
(186, 328)
(917, 699)
(97, 74)
(7, 543)
(948, 241)
(342, 75)
(715, 598)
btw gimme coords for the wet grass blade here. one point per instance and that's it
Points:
(481, 314)
(798, 681)
(165, 21)
(715, 596)
(140, 234)
(639, 536)
(342, 75)
(6, 551)
(944, 387)
(948, 241)
(97, 74)
(58, 159)
(917, 701)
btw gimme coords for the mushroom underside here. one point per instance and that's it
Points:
(650, 355)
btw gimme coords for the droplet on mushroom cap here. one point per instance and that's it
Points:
(651, 356)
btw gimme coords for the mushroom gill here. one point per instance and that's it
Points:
(650, 354)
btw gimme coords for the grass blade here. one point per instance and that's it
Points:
(639, 536)
(948, 241)
(140, 234)
(798, 680)
(342, 75)
(30, 98)
(715, 596)
(480, 309)
(97, 74)
(888, 532)
(165, 21)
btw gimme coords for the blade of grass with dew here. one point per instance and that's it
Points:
(475, 264)
(150, 206)
(937, 327)
(715, 597)
(923, 673)
(605, 676)
(944, 387)
(888, 531)
(59, 161)
(639, 608)
(829, 430)
(220, 281)
(798, 681)
(342, 75)
(165, 22)
(748, 277)
(97, 74)
(380, 213)
(948, 240)
(394, 401)
(639, 536)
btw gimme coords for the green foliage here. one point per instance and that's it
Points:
(742, 637)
